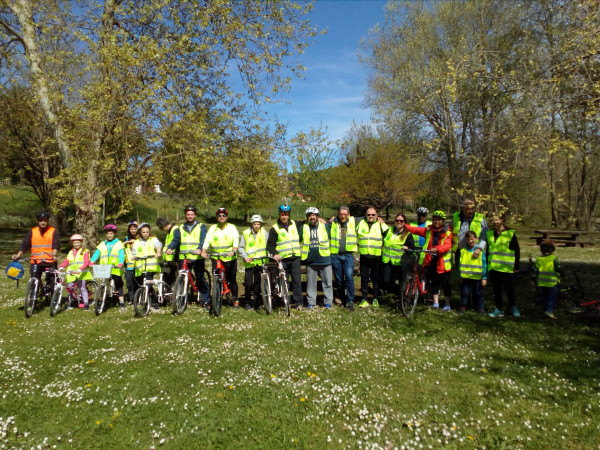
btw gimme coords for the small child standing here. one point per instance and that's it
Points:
(473, 273)
(547, 269)
(77, 262)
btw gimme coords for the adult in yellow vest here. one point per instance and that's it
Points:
(284, 245)
(77, 264)
(344, 243)
(170, 259)
(253, 250)
(547, 269)
(395, 240)
(316, 254)
(187, 240)
(223, 240)
(467, 219)
(111, 251)
(132, 228)
(44, 243)
(503, 255)
(369, 232)
(421, 222)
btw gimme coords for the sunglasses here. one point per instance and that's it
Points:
(221, 215)
(371, 215)
(399, 221)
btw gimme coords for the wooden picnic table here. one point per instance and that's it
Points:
(569, 238)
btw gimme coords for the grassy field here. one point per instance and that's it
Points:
(319, 379)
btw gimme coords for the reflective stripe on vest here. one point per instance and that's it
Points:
(41, 246)
(336, 234)
(447, 256)
(128, 257)
(75, 263)
(501, 259)
(547, 275)
(255, 246)
(475, 225)
(418, 238)
(189, 241)
(221, 241)
(369, 239)
(392, 247)
(147, 248)
(469, 267)
(112, 258)
(323, 240)
(288, 241)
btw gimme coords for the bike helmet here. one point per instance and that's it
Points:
(110, 227)
(421, 210)
(284, 208)
(312, 210)
(42, 215)
(256, 218)
(222, 211)
(144, 224)
(76, 237)
(440, 214)
(189, 208)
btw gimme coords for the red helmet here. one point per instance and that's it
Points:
(110, 227)
(222, 211)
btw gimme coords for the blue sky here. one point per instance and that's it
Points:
(332, 91)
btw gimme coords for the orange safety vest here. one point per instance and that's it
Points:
(41, 246)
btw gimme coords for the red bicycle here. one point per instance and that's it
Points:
(414, 284)
(186, 286)
(219, 286)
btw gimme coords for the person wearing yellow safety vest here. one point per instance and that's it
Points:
(44, 243)
(395, 241)
(421, 222)
(438, 263)
(467, 219)
(316, 255)
(472, 272)
(223, 239)
(503, 255)
(253, 250)
(369, 232)
(284, 245)
(111, 251)
(547, 269)
(187, 241)
(169, 260)
(77, 264)
(147, 250)
(129, 262)
(343, 243)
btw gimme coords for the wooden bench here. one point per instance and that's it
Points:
(567, 238)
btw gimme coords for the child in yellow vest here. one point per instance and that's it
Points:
(77, 262)
(149, 247)
(473, 273)
(547, 269)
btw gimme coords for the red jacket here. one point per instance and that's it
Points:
(442, 249)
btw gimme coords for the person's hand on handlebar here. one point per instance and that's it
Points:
(277, 257)
(248, 260)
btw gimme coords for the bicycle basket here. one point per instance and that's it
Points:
(409, 262)
(102, 271)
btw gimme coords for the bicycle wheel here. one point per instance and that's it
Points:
(285, 295)
(216, 297)
(409, 295)
(265, 291)
(180, 294)
(167, 293)
(30, 297)
(91, 287)
(141, 302)
(55, 301)
(100, 296)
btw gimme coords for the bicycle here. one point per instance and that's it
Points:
(414, 284)
(143, 297)
(280, 286)
(219, 285)
(36, 288)
(580, 305)
(106, 286)
(73, 294)
(185, 285)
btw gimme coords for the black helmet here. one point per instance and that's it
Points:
(189, 208)
(42, 215)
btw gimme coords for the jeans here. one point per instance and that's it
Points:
(311, 284)
(502, 280)
(548, 296)
(466, 287)
(252, 284)
(393, 277)
(343, 268)
(131, 284)
(293, 270)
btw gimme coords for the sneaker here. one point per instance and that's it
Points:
(207, 307)
(375, 303)
(86, 307)
(154, 306)
(436, 306)
(497, 313)
(81, 305)
(247, 307)
(69, 306)
(350, 306)
(310, 307)
(462, 310)
(236, 305)
(328, 306)
(363, 304)
(551, 315)
(446, 308)
(122, 305)
(515, 311)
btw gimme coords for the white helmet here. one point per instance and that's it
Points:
(312, 210)
(256, 218)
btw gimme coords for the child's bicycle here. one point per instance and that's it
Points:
(37, 288)
(185, 286)
(73, 294)
(146, 294)
(106, 288)
(580, 305)
(414, 284)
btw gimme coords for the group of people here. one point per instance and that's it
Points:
(325, 247)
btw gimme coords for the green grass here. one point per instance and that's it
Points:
(318, 379)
